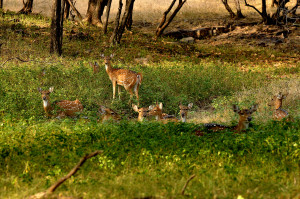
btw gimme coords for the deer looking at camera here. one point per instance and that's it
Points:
(276, 102)
(107, 114)
(143, 112)
(165, 118)
(245, 117)
(66, 108)
(130, 80)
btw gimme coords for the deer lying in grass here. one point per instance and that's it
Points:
(276, 102)
(107, 114)
(130, 80)
(165, 118)
(245, 117)
(66, 108)
(143, 112)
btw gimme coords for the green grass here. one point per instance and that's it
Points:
(144, 159)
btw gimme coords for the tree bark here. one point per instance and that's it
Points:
(56, 34)
(129, 20)
(239, 14)
(113, 38)
(129, 3)
(232, 15)
(67, 10)
(106, 16)
(27, 8)
(1, 4)
(95, 11)
(164, 22)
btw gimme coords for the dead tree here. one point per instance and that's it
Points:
(27, 7)
(50, 190)
(95, 11)
(232, 14)
(106, 16)
(280, 14)
(164, 22)
(56, 32)
(239, 14)
(120, 27)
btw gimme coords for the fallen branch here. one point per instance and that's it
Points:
(76, 11)
(18, 58)
(186, 184)
(51, 189)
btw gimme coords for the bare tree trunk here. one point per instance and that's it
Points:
(106, 16)
(239, 14)
(232, 15)
(67, 10)
(266, 18)
(27, 8)
(129, 3)
(95, 11)
(1, 4)
(56, 35)
(164, 22)
(129, 20)
(113, 39)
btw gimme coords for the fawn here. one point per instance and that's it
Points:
(245, 117)
(130, 80)
(276, 102)
(143, 112)
(65, 107)
(107, 114)
(165, 118)
(95, 66)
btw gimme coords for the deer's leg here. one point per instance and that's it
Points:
(136, 90)
(119, 91)
(114, 89)
(131, 95)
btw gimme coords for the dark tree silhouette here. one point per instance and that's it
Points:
(27, 8)
(56, 32)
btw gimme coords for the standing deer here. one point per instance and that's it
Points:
(165, 118)
(143, 112)
(276, 102)
(107, 114)
(65, 107)
(245, 117)
(130, 80)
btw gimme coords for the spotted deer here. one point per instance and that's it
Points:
(143, 112)
(165, 118)
(276, 102)
(130, 80)
(107, 114)
(95, 66)
(245, 117)
(65, 108)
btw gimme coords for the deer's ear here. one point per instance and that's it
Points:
(135, 108)
(161, 105)
(151, 107)
(112, 55)
(253, 108)
(102, 109)
(190, 105)
(51, 89)
(235, 108)
(40, 90)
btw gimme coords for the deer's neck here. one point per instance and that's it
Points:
(242, 125)
(47, 107)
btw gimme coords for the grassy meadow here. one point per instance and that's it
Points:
(146, 159)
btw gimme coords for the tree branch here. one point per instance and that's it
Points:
(76, 11)
(246, 4)
(186, 184)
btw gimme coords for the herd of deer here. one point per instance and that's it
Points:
(131, 81)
